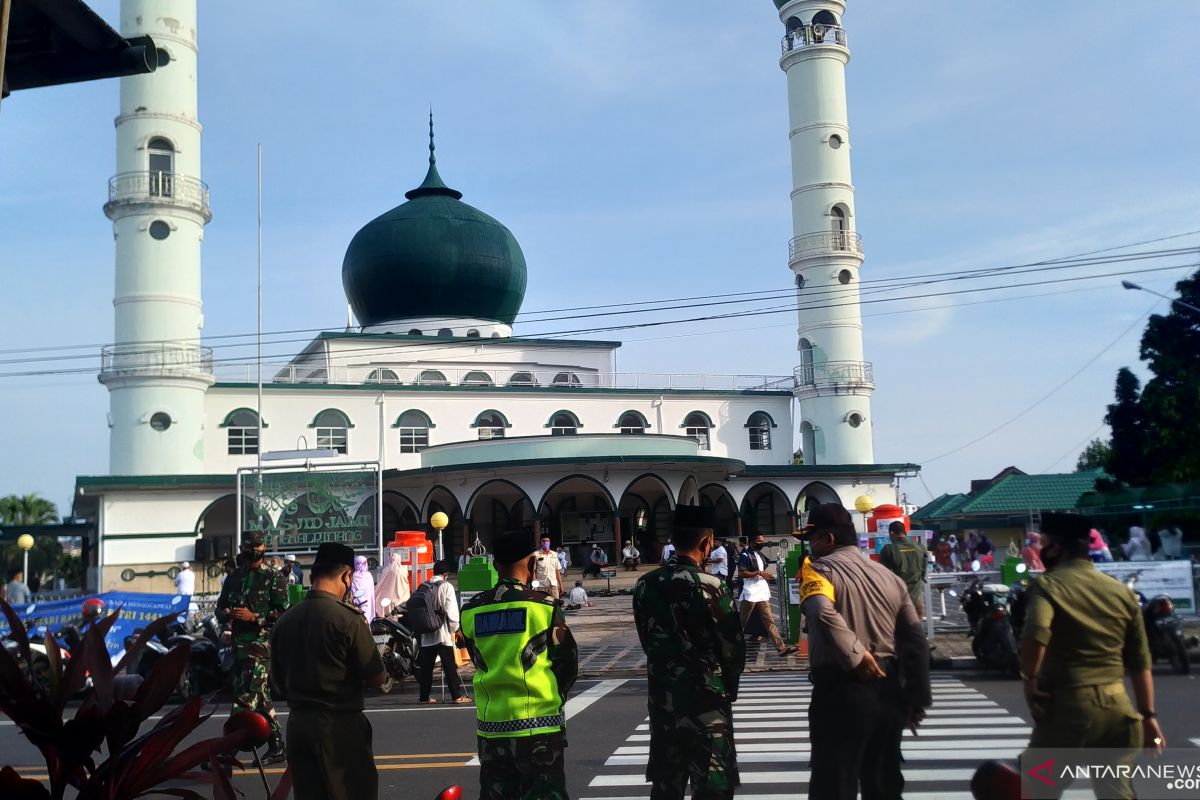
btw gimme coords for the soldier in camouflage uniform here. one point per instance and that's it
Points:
(692, 636)
(253, 596)
(525, 663)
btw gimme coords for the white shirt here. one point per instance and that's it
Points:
(444, 635)
(668, 551)
(578, 596)
(185, 582)
(756, 590)
(720, 567)
(630, 551)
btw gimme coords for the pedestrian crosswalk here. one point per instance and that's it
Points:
(964, 728)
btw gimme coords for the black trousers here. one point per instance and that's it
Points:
(330, 755)
(425, 671)
(856, 729)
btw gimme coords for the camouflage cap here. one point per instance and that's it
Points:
(254, 539)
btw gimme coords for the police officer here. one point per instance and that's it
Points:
(324, 657)
(252, 598)
(695, 655)
(1083, 632)
(525, 663)
(869, 663)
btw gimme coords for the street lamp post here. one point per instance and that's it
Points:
(1137, 287)
(25, 542)
(439, 521)
(864, 504)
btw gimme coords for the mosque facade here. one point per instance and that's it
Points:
(431, 402)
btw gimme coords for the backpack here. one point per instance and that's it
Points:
(425, 612)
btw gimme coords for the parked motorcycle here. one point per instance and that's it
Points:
(398, 647)
(210, 664)
(992, 640)
(1164, 630)
(39, 668)
(1018, 599)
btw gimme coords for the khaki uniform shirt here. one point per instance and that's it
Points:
(323, 654)
(1090, 623)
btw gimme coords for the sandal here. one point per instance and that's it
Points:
(432, 701)
(463, 701)
(787, 651)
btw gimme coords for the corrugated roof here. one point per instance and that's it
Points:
(1019, 493)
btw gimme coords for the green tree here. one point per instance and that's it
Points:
(1097, 455)
(30, 509)
(1127, 462)
(1170, 402)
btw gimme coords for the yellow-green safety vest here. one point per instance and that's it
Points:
(516, 693)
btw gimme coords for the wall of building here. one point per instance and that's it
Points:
(289, 411)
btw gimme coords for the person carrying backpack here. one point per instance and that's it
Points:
(433, 613)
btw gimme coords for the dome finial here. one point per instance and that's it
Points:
(432, 185)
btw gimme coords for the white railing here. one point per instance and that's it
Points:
(823, 243)
(813, 35)
(835, 374)
(155, 359)
(566, 380)
(135, 188)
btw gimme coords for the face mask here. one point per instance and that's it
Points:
(759, 545)
(546, 546)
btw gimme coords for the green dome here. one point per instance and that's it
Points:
(434, 256)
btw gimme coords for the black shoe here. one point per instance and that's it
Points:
(275, 753)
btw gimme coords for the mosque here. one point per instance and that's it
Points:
(431, 403)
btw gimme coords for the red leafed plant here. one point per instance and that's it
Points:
(110, 716)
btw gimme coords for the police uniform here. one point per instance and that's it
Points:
(853, 605)
(324, 654)
(263, 591)
(1091, 626)
(695, 655)
(525, 661)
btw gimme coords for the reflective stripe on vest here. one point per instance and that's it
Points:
(516, 693)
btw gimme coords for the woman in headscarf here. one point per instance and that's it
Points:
(1138, 547)
(393, 585)
(362, 588)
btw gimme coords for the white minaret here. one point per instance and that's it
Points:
(833, 382)
(156, 371)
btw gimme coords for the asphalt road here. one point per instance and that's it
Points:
(422, 749)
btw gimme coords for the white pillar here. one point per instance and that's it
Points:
(156, 371)
(834, 382)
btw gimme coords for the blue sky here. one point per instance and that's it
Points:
(639, 150)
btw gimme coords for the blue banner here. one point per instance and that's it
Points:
(136, 611)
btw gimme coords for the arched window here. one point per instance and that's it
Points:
(522, 379)
(566, 379)
(808, 375)
(445, 333)
(242, 433)
(473, 333)
(160, 162)
(759, 428)
(432, 377)
(491, 425)
(837, 221)
(413, 426)
(698, 426)
(563, 423)
(632, 423)
(332, 427)
(824, 18)
(799, 282)
(808, 442)
(476, 378)
(415, 332)
(383, 375)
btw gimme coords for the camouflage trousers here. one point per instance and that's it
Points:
(252, 680)
(523, 768)
(698, 748)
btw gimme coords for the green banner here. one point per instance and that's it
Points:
(299, 511)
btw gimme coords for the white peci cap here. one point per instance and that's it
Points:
(184, 565)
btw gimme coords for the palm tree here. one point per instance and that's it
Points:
(32, 509)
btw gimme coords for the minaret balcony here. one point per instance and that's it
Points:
(132, 189)
(817, 35)
(824, 243)
(836, 377)
(155, 360)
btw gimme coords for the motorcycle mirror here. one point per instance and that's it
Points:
(1022, 569)
(385, 602)
(976, 565)
(450, 793)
